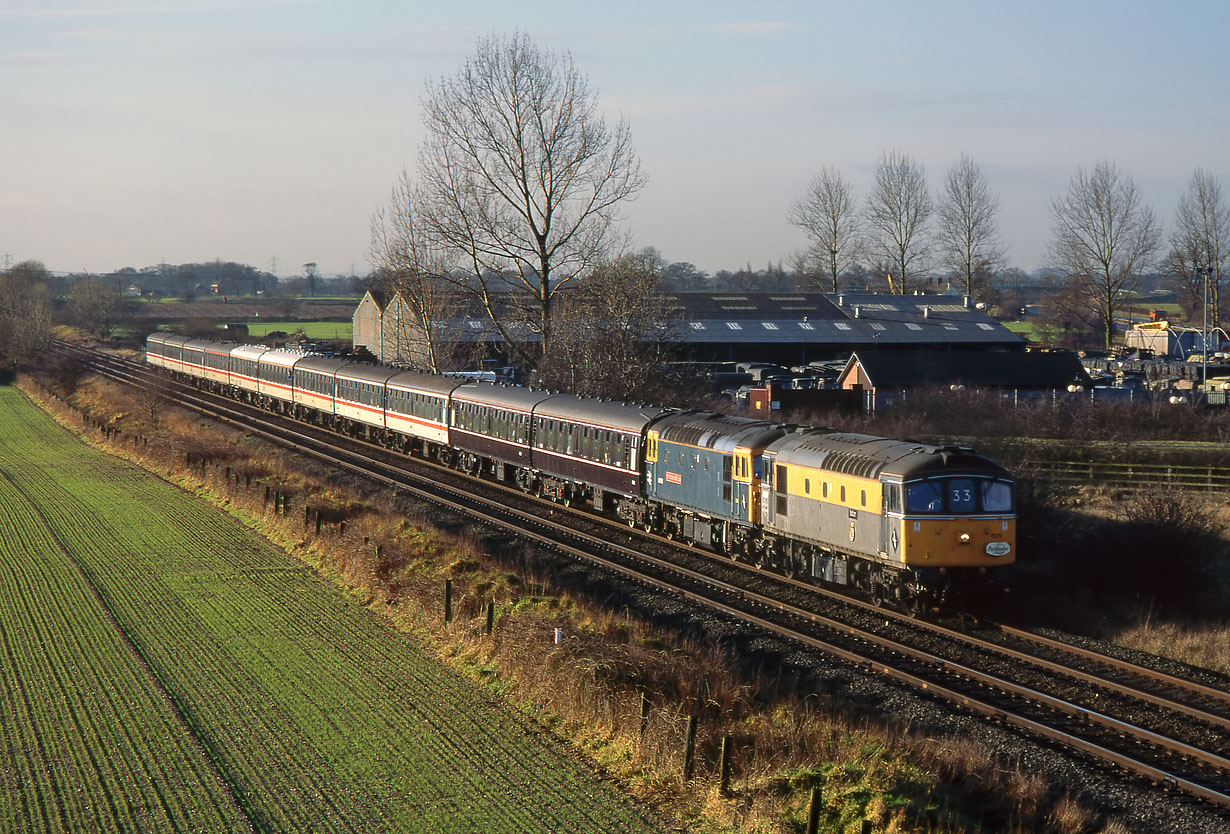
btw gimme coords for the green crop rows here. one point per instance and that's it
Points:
(164, 670)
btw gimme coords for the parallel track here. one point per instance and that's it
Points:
(1171, 731)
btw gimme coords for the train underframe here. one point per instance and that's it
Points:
(899, 587)
(903, 588)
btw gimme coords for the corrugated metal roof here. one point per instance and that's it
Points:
(844, 320)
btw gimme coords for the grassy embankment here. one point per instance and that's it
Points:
(167, 670)
(589, 687)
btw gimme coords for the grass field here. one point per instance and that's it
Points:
(311, 329)
(165, 670)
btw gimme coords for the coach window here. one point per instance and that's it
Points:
(843, 493)
(862, 497)
(807, 486)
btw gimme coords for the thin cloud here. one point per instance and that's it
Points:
(105, 9)
(763, 27)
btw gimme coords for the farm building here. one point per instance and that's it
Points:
(883, 376)
(1163, 340)
(385, 325)
(786, 328)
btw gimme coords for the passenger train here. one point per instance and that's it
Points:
(907, 523)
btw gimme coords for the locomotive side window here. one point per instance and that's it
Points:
(962, 498)
(893, 493)
(996, 496)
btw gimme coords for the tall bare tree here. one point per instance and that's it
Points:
(968, 226)
(828, 214)
(522, 177)
(898, 208)
(1200, 241)
(419, 272)
(1104, 236)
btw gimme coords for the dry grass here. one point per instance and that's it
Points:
(1202, 644)
(588, 687)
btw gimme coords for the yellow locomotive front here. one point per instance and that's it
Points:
(958, 521)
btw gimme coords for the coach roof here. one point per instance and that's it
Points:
(501, 396)
(605, 413)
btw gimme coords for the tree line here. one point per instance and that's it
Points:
(1104, 237)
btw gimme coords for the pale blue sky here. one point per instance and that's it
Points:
(183, 130)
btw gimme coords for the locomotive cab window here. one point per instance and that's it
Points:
(924, 497)
(996, 497)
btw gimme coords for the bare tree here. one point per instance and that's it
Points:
(615, 331)
(828, 213)
(95, 304)
(419, 272)
(897, 212)
(968, 233)
(1103, 238)
(522, 178)
(311, 275)
(25, 311)
(1200, 241)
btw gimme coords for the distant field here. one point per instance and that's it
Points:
(311, 329)
(1025, 328)
(165, 670)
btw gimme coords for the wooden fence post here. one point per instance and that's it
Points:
(448, 600)
(490, 616)
(689, 750)
(644, 711)
(724, 764)
(813, 812)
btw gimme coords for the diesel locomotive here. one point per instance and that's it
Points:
(907, 523)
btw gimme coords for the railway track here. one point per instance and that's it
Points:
(1164, 730)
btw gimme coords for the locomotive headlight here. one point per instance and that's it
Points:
(964, 538)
